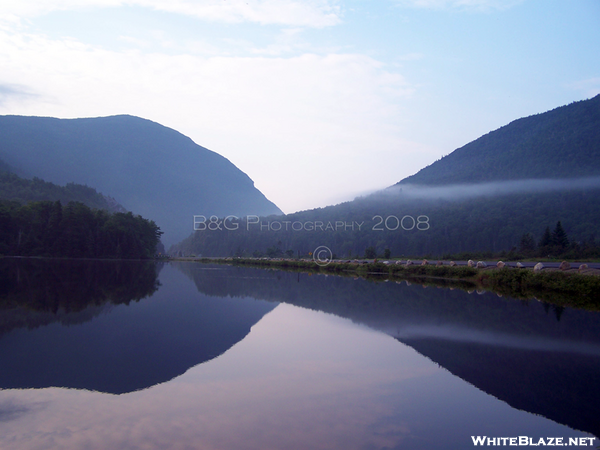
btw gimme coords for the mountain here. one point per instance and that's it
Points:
(150, 169)
(531, 355)
(107, 326)
(483, 197)
(561, 143)
(23, 190)
(4, 168)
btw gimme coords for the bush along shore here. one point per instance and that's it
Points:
(566, 286)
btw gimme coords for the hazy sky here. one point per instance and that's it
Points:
(316, 100)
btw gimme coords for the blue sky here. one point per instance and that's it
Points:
(317, 101)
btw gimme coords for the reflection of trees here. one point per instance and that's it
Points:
(128, 347)
(73, 285)
(386, 305)
(556, 384)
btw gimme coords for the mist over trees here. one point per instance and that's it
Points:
(495, 194)
(480, 198)
(486, 224)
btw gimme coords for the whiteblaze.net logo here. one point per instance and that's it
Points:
(526, 441)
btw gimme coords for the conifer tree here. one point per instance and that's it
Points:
(546, 238)
(527, 244)
(559, 237)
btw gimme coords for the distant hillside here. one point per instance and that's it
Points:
(22, 190)
(410, 227)
(150, 169)
(4, 167)
(494, 205)
(562, 143)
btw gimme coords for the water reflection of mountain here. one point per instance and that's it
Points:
(535, 357)
(72, 324)
(562, 386)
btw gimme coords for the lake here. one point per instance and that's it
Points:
(144, 355)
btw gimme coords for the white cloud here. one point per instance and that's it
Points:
(305, 13)
(323, 374)
(287, 41)
(303, 127)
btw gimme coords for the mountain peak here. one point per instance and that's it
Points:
(150, 169)
(561, 143)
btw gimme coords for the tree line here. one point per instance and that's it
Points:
(49, 229)
(23, 190)
(492, 224)
(557, 244)
(70, 285)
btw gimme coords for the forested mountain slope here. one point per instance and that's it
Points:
(484, 197)
(561, 143)
(150, 169)
(23, 190)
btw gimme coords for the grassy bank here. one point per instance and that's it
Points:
(557, 287)
(552, 286)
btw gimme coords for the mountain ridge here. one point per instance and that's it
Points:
(150, 169)
(23, 190)
(561, 143)
(483, 197)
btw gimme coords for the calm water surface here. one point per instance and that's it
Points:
(115, 355)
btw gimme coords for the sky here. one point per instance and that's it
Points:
(318, 101)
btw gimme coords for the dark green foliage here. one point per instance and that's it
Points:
(48, 229)
(22, 190)
(570, 289)
(461, 272)
(546, 247)
(562, 143)
(556, 245)
(478, 225)
(546, 239)
(274, 252)
(527, 244)
(559, 237)
(370, 253)
(564, 289)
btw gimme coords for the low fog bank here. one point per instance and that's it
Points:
(496, 188)
(509, 340)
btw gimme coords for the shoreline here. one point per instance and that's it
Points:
(571, 287)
